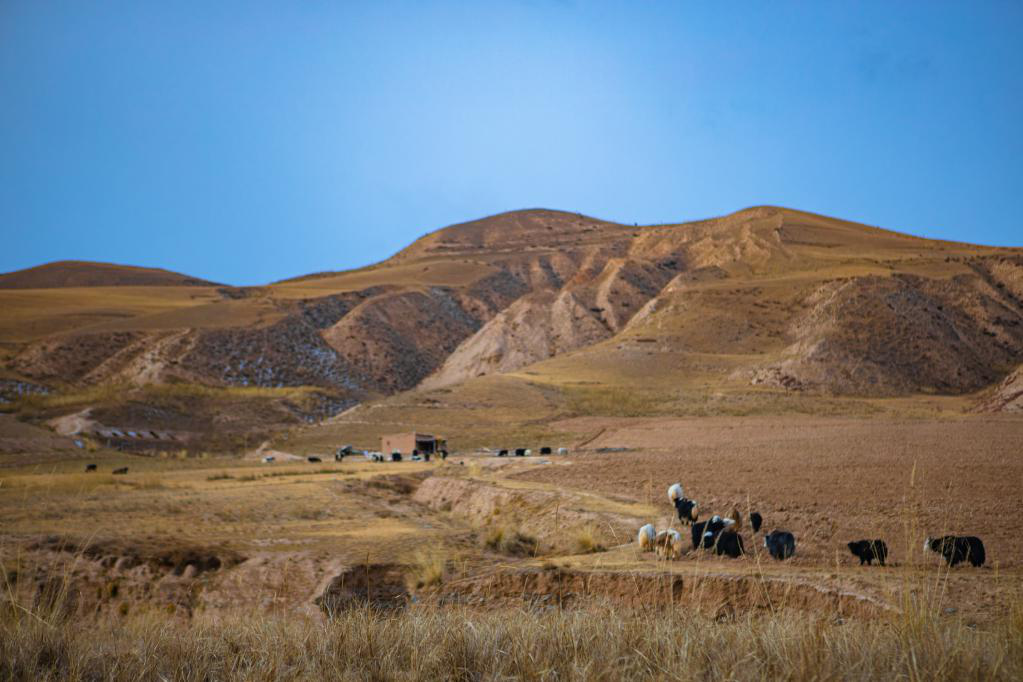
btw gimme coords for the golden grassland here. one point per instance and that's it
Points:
(462, 644)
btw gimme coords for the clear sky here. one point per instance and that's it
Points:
(250, 141)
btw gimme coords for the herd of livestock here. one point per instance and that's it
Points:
(722, 535)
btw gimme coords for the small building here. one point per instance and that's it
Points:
(405, 443)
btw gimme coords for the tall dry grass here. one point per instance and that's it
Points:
(427, 643)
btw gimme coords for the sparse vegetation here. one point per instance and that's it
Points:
(428, 569)
(510, 541)
(587, 541)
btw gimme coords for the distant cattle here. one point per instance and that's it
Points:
(781, 544)
(426, 456)
(729, 543)
(545, 450)
(313, 459)
(705, 534)
(502, 453)
(869, 551)
(90, 467)
(120, 472)
(395, 456)
(958, 548)
(520, 452)
(688, 510)
(755, 521)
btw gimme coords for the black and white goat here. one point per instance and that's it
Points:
(688, 510)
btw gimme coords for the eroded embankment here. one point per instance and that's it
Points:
(546, 513)
(716, 594)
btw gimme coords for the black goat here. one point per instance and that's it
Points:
(755, 521)
(958, 548)
(780, 543)
(869, 550)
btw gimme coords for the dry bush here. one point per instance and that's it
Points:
(510, 541)
(427, 569)
(587, 541)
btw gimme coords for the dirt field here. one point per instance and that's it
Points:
(482, 530)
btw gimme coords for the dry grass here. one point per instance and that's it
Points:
(427, 570)
(428, 643)
(587, 541)
(510, 541)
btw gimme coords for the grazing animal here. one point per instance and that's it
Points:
(755, 521)
(545, 450)
(688, 510)
(443, 455)
(529, 452)
(645, 538)
(90, 467)
(958, 548)
(562, 451)
(395, 456)
(730, 544)
(675, 492)
(520, 452)
(706, 533)
(502, 453)
(869, 550)
(120, 472)
(668, 544)
(697, 531)
(313, 460)
(780, 543)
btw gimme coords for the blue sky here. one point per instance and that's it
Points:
(250, 141)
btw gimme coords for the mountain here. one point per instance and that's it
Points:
(765, 299)
(85, 274)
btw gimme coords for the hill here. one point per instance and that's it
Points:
(85, 274)
(766, 306)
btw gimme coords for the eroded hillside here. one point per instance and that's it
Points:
(765, 299)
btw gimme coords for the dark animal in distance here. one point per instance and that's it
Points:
(545, 450)
(781, 544)
(443, 455)
(520, 452)
(314, 459)
(730, 544)
(395, 456)
(120, 472)
(755, 521)
(688, 510)
(869, 551)
(90, 467)
(958, 548)
(708, 534)
(502, 453)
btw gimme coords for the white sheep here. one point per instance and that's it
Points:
(645, 538)
(675, 493)
(668, 544)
